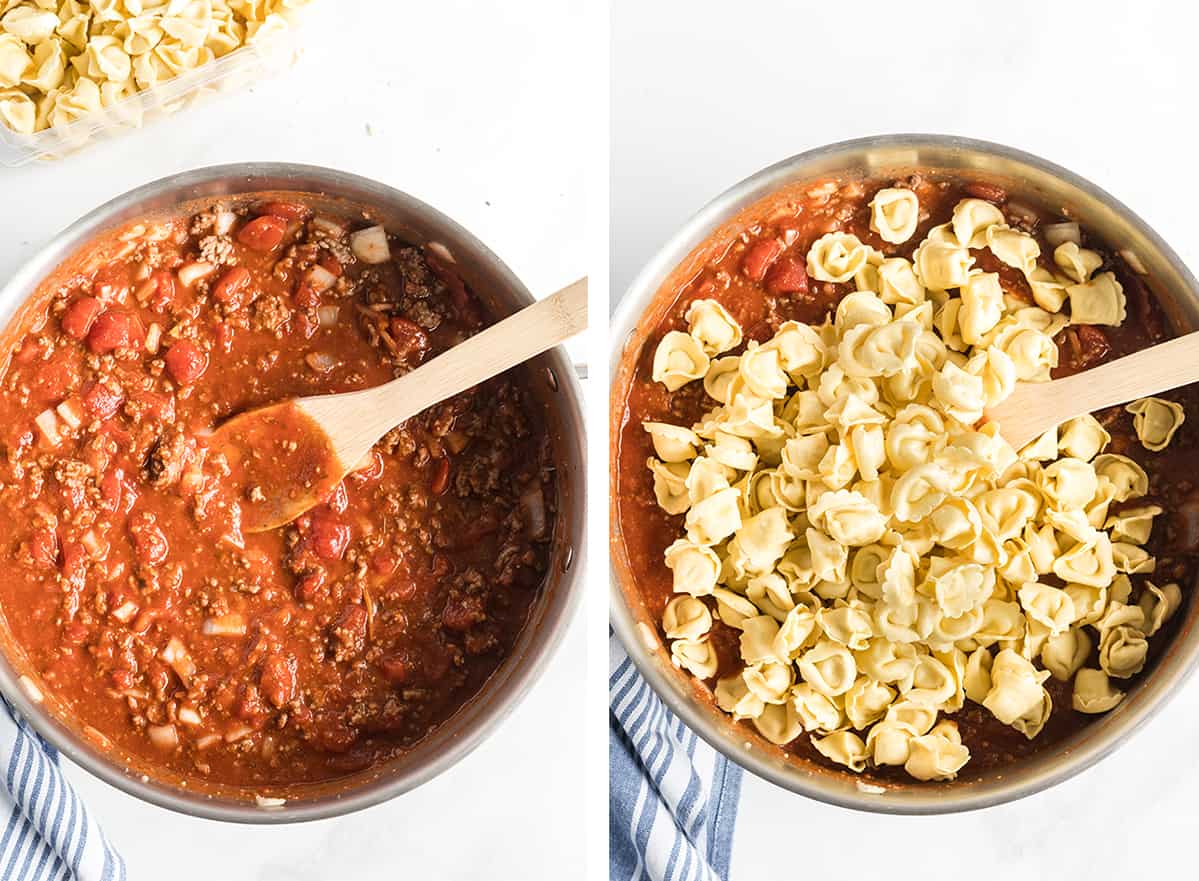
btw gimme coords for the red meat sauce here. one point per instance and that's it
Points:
(757, 271)
(135, 599)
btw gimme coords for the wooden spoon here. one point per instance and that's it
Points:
(286, 457)
(1035, 407)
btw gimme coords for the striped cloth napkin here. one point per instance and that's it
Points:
(673, 799)
(49, 835)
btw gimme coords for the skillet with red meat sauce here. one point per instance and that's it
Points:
(135, 600)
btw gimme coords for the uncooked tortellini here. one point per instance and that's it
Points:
(836, 257)
(70, 59)
(1155, 421)
(894, 214)
(881, 556)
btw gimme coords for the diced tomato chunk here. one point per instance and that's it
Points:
(788, 276)
(43, 548)
(263, 233)
(115, 330)
(186, 362)
(164, 290)
(149, 541)
(74, 564)
(306, 296)
(116, 493)
(758, 258)
(441, 477)
(329, 535)
(384, 562)
(78, 319)
(278, 680)
(412, 343)
(330, 264)
(462, 612)
(338, 499)
(372, 470)
(286, 210)
(102, 401)
(463, 302)
(231, 286)
(309, 585)
(981, 190)
(395, 668)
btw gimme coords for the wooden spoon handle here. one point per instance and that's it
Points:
(1156, 369)
(356, 420)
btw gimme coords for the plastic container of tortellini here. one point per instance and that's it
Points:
(230, 73)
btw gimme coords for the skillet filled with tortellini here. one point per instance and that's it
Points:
(838, 548)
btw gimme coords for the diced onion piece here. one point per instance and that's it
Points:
(153, 338)
(225, 220)
(163, 736)
(180, 661)
(96, 547)
(47, 424)
(441, 251)
(190, 273)
(232, 624)
(370, 245)
(327, 315)
(321, 279)
(533, 503)
(264, 802)
(1057, 233)
(70, 413)
(237, 732)
(188, 715)
(330, 227)
(207, 740)
(321, 362)
(125, 611)
(1133, 261)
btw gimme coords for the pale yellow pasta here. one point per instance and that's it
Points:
(713, 327)
(686, 617)
(18, 111)
(971, 220)
(938, 755)
(15, 61)
(1155, 421)
(894, 214)
(942, 265)
(844, 748)
(836, 257)
(1098, 301)
(886, 556)
(678, 360)
(1093, 692)
(697, 657)
(118, 47)
(1013, 247)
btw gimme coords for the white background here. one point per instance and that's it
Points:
(474, 108)
(706, 92)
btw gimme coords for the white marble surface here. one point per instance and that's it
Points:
(472, 108)
(705, 93)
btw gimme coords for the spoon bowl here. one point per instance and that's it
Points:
(287, 457)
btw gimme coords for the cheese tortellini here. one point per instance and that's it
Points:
(881, 557)
(1155, 420)
(60, 62)
(894, 214)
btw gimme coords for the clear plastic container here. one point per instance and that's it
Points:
(233, 72)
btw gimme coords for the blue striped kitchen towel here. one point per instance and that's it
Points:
(49, 835)
(673, 799)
